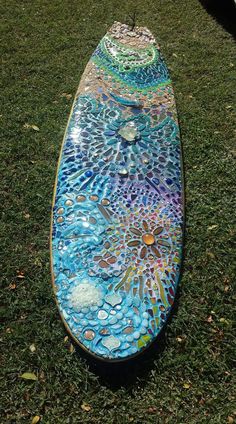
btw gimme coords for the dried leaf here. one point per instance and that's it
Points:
(211, 255)
(27, 216)
(35, 128)
(209, 319)
(12, 286)
(71, 348)
(32, 348)
(36, 419)
(212, 227)
(66, 95)
(152, 410)
(181, 339)
(224, 321)
(28, 126)
(85, 407)
(186, 386)
(226, 280)
(230, 419)
(29, 376)
(42, 376)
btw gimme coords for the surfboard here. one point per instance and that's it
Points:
(117, 221)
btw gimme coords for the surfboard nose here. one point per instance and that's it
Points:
(137, 36)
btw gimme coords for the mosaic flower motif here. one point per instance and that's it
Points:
(131, 243)
(147, 239)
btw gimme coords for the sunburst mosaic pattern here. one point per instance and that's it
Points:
(117, 217)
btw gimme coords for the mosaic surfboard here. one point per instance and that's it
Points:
(118, 210)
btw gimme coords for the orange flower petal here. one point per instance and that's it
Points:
(133, 243)
(156, 251)
(163, 243)
(158, 230)
(135, 231)
(145, 226)
(143, 252)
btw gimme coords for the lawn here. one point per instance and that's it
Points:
(187, 376)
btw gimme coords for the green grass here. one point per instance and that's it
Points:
(187, 376)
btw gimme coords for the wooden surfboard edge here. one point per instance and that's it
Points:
(77, 342)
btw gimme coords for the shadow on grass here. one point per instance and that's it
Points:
(224, 12)
(136, 370)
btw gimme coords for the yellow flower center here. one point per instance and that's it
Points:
(148, 239)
